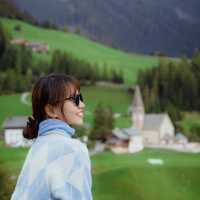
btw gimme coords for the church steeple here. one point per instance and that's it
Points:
(138, 111)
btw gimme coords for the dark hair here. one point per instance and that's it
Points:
(51, 89)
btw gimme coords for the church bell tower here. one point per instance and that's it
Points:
(138, 111)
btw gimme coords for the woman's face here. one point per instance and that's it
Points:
(72, 113)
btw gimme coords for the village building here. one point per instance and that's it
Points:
(146, 130)
(181, 139)
(18, 41)
(125, 140)
(13, 131)
(39, 47)
(156, 128)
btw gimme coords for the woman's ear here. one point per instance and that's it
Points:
(51, 111)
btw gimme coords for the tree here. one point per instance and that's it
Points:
(11, 58)
(6, 186)
(103, 123)
(18, 27)
(78, 30)
(4, 39)
(66, 29)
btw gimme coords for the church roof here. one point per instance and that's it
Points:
(15, 122)
(153, 121)
(180, 136)
(125, 133)
(137, 100)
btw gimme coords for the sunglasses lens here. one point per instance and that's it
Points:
(78, 98)
(81, 97)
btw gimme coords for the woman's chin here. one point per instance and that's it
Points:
(78, 122)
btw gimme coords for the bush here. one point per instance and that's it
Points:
(103, 123)
(18, 27)
(6, 185)
(195, 132)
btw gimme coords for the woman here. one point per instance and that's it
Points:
(57, 166)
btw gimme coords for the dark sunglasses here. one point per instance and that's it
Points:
(76, 99)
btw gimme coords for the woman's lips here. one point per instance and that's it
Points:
(80, 114)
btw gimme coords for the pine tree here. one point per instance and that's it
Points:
(4, 39)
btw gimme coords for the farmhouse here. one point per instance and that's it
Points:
(125, 140)
(13, 131)
(39, 47)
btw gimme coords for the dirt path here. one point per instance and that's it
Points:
(24, 98)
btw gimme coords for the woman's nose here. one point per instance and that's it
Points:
(81, 104)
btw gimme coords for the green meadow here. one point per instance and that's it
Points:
(130, 176)
(11, 105)
(117, 98)
(83, 48)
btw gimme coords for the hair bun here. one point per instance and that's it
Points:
(31, 121)
(30, 131)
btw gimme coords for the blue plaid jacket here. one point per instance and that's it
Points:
(57, 166)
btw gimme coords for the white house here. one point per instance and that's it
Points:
(125, 140)
(13, 131)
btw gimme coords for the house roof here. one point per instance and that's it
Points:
(15, 122)
(125, 133)
(153, 121)
(180, 136)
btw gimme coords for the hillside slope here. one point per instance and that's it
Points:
(172, 26)
(84, 48)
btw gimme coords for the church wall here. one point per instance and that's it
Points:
(150, 137)
(167, 128)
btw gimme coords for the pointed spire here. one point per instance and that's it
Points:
(137, 100)
(138, 112)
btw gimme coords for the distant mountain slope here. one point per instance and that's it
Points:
(7, 9)
(83, 48)
(169, 26)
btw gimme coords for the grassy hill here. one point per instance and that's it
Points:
(136, 25)
(83, 48)
(130, 176)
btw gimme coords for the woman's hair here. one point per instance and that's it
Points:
(51, 89)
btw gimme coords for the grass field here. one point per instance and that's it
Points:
(11, 105)
(130, 176)
(117, 98)
(83, 48)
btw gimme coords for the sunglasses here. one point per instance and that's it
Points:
(76, 99)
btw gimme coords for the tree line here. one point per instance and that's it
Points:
(9, 10)
(19, 69)
(172, 87)
(172, 84)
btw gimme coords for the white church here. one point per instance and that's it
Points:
(156, 128)
(146, 130)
